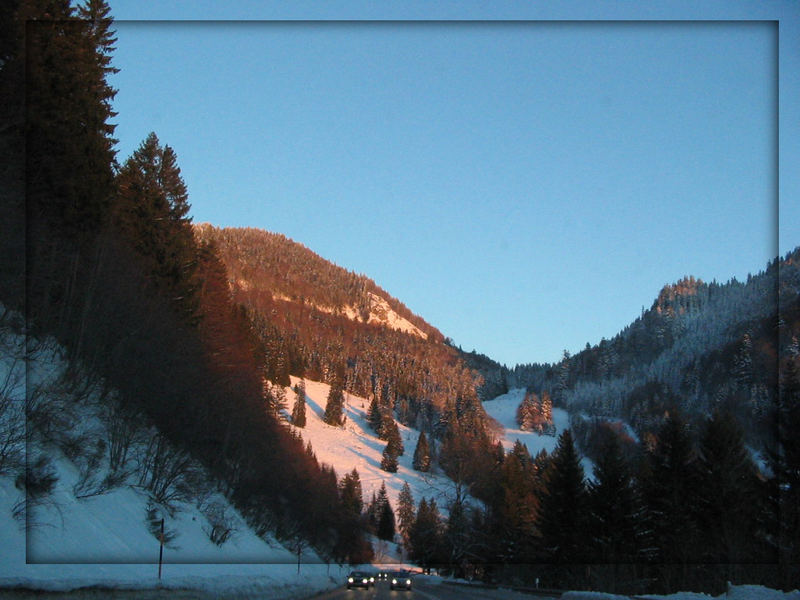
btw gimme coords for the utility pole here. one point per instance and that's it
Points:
(161, 549)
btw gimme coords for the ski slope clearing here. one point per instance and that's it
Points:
(356, 446)
(503, 409)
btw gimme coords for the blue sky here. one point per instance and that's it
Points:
(524, 177)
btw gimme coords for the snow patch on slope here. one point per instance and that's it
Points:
(380, 312)
(503, 409)
(356, 446)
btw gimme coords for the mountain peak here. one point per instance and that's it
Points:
(680, 297)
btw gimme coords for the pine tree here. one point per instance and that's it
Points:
(59, 155)
(392, 450)
(615, 511)
(425, 535)
(374, 416)
(299, 409)
(373, 514)
(727, 493)
(405, 510)
(151, 212)
(69, 144)
(670, 497)
(334, 409)
(351, 494)
(518, 505)
(386, 521)
(562, 521)
(422, 455)
(536, 414)
(548, 427)
(388, 428)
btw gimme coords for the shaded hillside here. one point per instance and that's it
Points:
(320, 321)
(115, 277)
(701, 346)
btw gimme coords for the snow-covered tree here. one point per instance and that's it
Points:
(334, 409)
(299, 409)
(422, 454)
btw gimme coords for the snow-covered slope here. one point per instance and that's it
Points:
(64, 542)
(503, 409)
(356, 446)
(104, 541)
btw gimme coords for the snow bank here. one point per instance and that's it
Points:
(592, 596)
(65, 543)
(734, 592)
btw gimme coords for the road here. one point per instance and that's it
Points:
(427, 589)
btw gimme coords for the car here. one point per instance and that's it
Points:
(399, 581)
(360, 579)
(383, 576)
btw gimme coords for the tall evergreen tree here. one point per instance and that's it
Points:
(56, 118)
(351, 493)
(425, 536)
(670, 497)
(386, 520)
(69, 140)
(615, 512)
(299, 408)
(152, 212)
(728, 494)
(422, 454)
(517, 506)
(334, 409)
(374, 416)
(393, 449)
(562, 521)
(405, 511)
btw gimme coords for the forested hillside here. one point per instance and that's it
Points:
(181, 339)
(318, 320)
(700, 347)
(113, 274)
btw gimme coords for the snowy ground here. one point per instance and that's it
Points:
(104, 542)
(737, 592)
(356, 446)
(503, 409)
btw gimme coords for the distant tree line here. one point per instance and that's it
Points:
(690, 510)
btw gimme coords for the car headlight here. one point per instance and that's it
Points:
(349, 580)
(364, 581)
(394, 581)
(408, 582)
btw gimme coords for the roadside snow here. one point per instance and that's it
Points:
(65, 543)
(734, 592)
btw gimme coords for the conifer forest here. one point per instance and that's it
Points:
(689, 416)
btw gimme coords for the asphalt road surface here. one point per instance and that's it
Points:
(426, 589)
